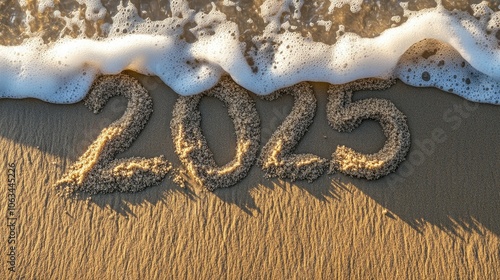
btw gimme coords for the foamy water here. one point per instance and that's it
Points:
(54, 50)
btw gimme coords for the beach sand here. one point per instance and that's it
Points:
(435, 217)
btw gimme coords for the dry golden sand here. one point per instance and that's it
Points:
(436, 216)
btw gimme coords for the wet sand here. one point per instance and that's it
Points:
(435, 217)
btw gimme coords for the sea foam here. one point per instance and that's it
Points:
(190, 49)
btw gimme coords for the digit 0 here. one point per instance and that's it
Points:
(191, 146)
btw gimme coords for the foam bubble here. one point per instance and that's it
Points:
(43, 4)
(430, 63)
(354, 5)
(94, 9)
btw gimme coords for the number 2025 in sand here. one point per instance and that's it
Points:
(98, 171)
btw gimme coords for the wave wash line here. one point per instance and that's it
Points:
(464, 55)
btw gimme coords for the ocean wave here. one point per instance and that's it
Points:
(262, 47)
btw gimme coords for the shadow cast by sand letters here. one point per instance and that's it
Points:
(450, 178)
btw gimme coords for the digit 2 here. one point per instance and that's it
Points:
(97, 170)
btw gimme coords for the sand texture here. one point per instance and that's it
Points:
(436, 216)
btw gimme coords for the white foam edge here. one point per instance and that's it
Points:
(55, 73)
